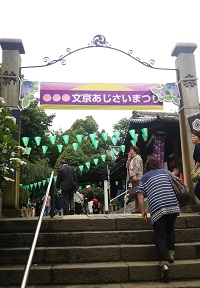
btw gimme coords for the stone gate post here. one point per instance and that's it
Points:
(187, 80)
(10, 87)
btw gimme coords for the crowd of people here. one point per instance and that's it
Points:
(150, 182)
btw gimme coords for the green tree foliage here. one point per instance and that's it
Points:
(86, 151)
(33, 173)
(10, 151)
(122, 126)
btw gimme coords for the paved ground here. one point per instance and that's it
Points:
(173, 284)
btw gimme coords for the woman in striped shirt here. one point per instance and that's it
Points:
(164, 209)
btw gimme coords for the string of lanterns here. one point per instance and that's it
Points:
(75, 146)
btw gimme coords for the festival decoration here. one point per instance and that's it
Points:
(79, 138)
(132, 133)
(52, 139)
(37, 140)
(96, 160)
(31, 186)
(65, 138)
(39, 184)
(117, 134)
(25, 141)
(92, 137)
(81, 168)
(75, 146)
(144, 133)
(95, 143)
(44, 149)
(87, 164)
(122, 147)
(116, 183)
(44, 182)
(28, 150)
(54, 178)
(103, 157)
(35, 184)
(114, 141)
(60, 147)
(105, 136)
(112, 153)
(133, 142)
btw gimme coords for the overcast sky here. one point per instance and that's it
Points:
(150, 28)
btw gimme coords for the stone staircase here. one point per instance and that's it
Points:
(110, 248)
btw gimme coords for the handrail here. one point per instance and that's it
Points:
(30, 258)
(126, 194)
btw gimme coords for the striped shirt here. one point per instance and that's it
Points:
(156, 186)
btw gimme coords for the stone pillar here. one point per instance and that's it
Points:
(10, 87)
(187, 80)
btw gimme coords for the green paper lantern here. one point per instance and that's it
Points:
(105, 136)
(145, 137)
(114, 141)
(60, 147)
(79, 138)
(25, 141)
(145, 131)
(103, 157)
(65, 138)
(44, 149)
(37, 140)
(117, 134)
(112, 153)
(52, 139)
(87, 164)
(39, 184)
(95, 143)
(54, 178)
(133, 142)
(96, 160)
(116, 183)
(92, 137)
(75, 146)
(123, 147)
(135, 137)
(28, 150)
(48, 180)
(44, 182)
(31, 186)
(81, 168)
(35, 184)
(132, 133)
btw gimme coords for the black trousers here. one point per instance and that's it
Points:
(68, 202)
(164, 235)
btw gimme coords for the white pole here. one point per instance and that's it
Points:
(106, 196)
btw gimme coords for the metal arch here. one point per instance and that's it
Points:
(99, 41)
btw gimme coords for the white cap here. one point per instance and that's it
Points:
(88, 186)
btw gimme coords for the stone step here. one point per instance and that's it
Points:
(98, 222)
(107, 253)
(102, 272)
(95, 237)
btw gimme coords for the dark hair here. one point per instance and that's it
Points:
(62, 162)
(196, 133)
(152, 164)
(136, 149)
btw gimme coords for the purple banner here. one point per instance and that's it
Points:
(93, 96)
(159, 149)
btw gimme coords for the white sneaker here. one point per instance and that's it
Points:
(165, 273)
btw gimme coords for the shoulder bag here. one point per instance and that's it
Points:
(182, 192)
(195, 175)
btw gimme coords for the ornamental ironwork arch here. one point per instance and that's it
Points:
(99, 41)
